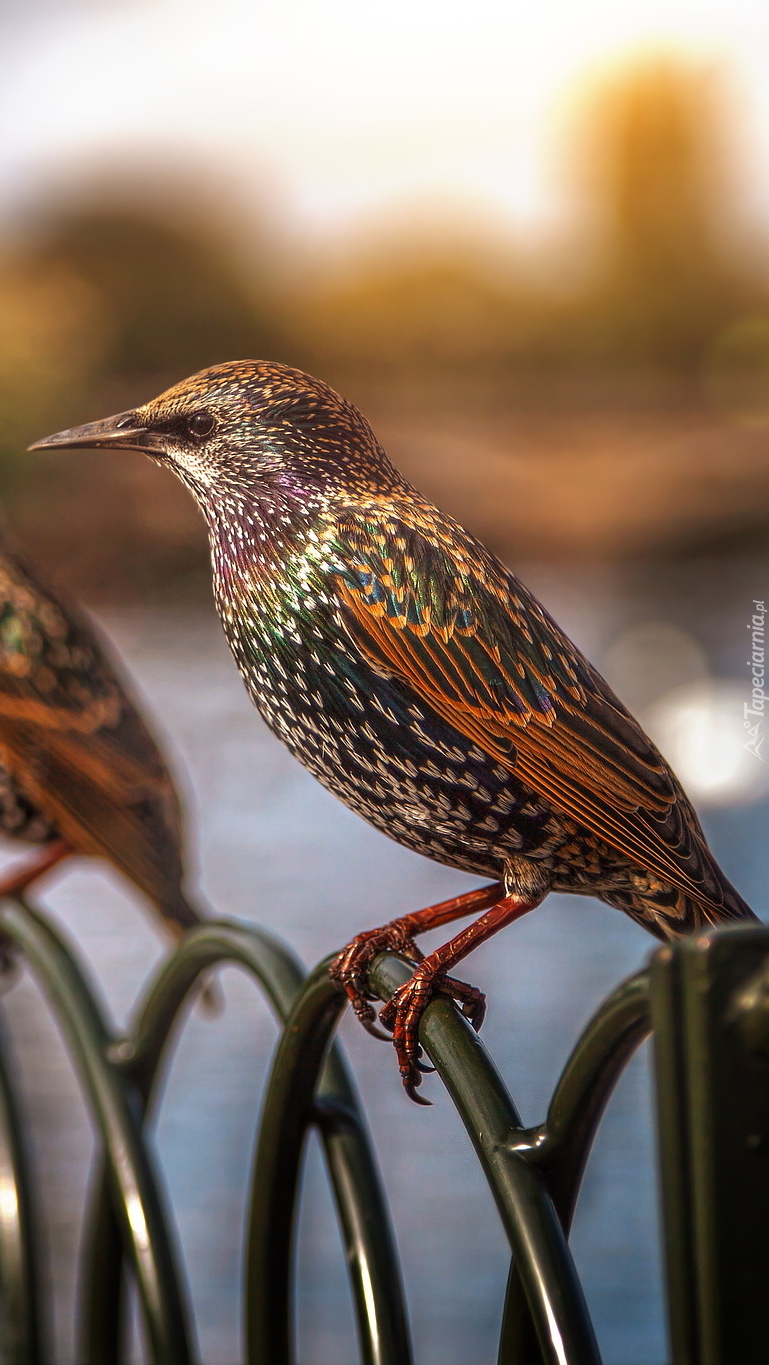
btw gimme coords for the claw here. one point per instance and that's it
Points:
(367, 1016)
(471, 1001)
(350, 967)
(403, 1011)
(410, 1076)
(410, 1088)
(363, 1010)
(475, 1011)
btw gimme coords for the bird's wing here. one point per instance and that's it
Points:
(446, 618)
(75, 742)
(105, 799)
(59, 692)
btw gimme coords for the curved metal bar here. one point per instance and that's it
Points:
(543, 1260)
(101, 1313)
(363, 1213)
(534, 1174)
(298, 1075)
(102, 1321)
(364, 1217)
(289, 1109)
(136, 1191)
(220, 942)
(22, 1324)
(561, 1146)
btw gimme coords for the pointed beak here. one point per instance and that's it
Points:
(123, 431)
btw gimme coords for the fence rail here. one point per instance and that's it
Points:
(707, 1002)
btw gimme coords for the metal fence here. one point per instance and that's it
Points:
(706, 1000)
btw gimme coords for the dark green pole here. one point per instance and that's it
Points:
(710, 1003)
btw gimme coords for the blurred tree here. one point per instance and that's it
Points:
(428, 310)
(661, 228)
(101, 309)
(655, 172)
(53, 329)
(108, 303)
(175, 298)
(660, 174)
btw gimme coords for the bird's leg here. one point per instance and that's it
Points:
(19, 878)
(350, 967)
(404, 1009)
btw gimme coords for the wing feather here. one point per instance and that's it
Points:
(75, 743)
(485, 656)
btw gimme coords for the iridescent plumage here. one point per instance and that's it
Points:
(79, 770)
(416, 677)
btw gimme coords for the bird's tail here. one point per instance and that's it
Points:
(178, 914)
(733, 908)
(668, 912)
(725, 904)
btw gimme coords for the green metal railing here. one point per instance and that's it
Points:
(707, 1002)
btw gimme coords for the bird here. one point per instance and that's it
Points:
(419, 680)
(80, 771)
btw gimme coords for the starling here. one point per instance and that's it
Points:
(418, 679)
(79, 770)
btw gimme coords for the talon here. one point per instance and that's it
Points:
(475, 1011)
(410, 1088)
(402, 1013)
(365, 1012)
(470, 1000)
(349, 968)
(375, 1032)
(426, 1068)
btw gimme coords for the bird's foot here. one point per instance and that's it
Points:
(404, 1010)
(16, 881)
(350, 967)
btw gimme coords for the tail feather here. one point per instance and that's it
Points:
(179, 914)
(668, 913)
(141, 837)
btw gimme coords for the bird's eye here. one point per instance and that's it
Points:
(200, 424)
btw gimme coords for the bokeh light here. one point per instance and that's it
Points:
(700, 730)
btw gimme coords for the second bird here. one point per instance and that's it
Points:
(418, 679)
(80, 771)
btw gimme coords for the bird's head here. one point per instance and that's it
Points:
(247, 429)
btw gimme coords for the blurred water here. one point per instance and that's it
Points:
(275, 848)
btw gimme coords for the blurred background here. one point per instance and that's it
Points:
(532, 243)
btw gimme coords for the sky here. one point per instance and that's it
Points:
(339, 112)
